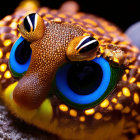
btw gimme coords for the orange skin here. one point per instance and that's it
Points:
(32, 89)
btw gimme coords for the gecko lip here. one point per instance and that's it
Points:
(44, 111)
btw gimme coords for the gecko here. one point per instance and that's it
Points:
(70, 73)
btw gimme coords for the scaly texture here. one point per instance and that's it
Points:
(115, 117)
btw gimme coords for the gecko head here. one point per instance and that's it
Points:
(40, 51)
(62, 78)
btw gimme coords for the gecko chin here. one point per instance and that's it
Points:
(40, 116)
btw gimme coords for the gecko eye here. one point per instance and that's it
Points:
(30, 22)
(32, 28)
(82, 48)
(85, 84)
(86, 44)
(20, 57)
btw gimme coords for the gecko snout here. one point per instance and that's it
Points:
(34, 86)
(43, 55)
(29, 92)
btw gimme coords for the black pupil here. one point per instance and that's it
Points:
(26, 24)
(23, 52)
(84, 77)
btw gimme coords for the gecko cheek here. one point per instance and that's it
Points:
(82, 48)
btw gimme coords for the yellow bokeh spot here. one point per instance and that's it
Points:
(114, 100)
(119, 106)
(138, 70)
(14, 32)
(134, 49)
(57, 20)
(7, 55)
(86, 34)
(7, 42)
(116, 60)
(89, 111)
(127, 71)
(138, 84)
(119, 94)
(3, 67)
(124, 78)
(90, 21)
(136, 98)
(13, 25)
(126, 110)
(98, 116)
(28, 5)
(110, 108)
(105, 103)
(132, 80)
(49, 16)
(7, 74)
(132, 67)
(1, 23)
(73, 113)
(82, 118)
(1, 53)
(100, 30)
(126, 91)
(76, 16)
(101, 49)
(62, 15)
(0, 76)
(63, 107)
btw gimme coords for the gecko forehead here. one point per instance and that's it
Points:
(60, 33)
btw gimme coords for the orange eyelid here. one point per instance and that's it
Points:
(73, 51)
(37, 34)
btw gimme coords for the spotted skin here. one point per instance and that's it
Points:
(115, 117)
(42, 69)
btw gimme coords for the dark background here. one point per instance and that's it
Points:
(122, 13)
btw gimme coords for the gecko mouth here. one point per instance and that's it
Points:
(43, 113)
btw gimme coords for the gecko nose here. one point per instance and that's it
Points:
(30, 92)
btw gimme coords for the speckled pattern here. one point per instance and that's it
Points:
(120, 107)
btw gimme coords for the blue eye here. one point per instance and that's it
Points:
(84, 84)
(20, 57)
